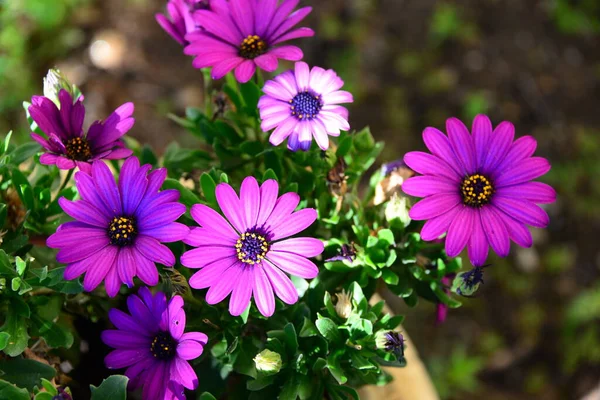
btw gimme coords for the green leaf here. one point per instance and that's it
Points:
(328, 329)
(6, 267)
(386, 236)
(361, 328)
(334, 366)
(25, 373)
(5, 143)
(49, 386)
(344, 147)
(393, 322)
(260, 383)
(16, 326)
(363, 140)
(252, 148)
(206, 396)
(54, 334)
(389, 277)
(4, 339)
(329, 304)
(11, 392)
(308, 329)
(187, 196)
(289, 391)
(43, 396)
(21, 265)
(250, 93)
(358, 297)
(112, 388)
(269, 174)
(360, 362)
(208, 185)
(291, 339)
(147, 156)
(24, 152)
(3, 213)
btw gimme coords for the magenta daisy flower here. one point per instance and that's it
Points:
(119, 229)
(151, 344)
(67, 145)
(181, 21)
(244, 34)
(477, 188)
(244, 254)
(303, 104)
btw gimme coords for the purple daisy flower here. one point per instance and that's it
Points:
(151, 344)
(303, 104)
(118, 230)
(66, 144)
(243, 254)
(181, 21)
(244, 34)
(477, 188)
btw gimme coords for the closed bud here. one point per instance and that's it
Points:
(396, 211)
(268, 361)
(343, 307)
(54, 82)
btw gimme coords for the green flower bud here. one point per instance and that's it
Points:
(268, 362)
(54, 82)
(396, 211)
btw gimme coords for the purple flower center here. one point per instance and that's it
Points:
(78, 149)
(163, 346)
(305, 105)
(121, 231)
(476, 190)
(252, 47)
(394, 341)
(251, 247)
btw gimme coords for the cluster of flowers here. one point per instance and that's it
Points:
(476, 186)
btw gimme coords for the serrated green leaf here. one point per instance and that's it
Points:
(9, 391)
(25, 373)
(112, 388)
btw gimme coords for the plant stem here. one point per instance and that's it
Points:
(64, 184)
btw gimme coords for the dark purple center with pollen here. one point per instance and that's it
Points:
(251, 247)
(305, 105)
(252, 46)
(122, 231)
(163, 346)
(78, 149)
(476, 190)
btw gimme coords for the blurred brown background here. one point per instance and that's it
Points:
(533, 331)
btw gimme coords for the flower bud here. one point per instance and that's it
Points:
(391, 341)
(268, 361)
(396, 211)
(343, 307)
(54, 82)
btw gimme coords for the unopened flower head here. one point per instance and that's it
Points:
(396, 211)
(54, 82)
(467, 283)
(391, 341)
(343, 307)
(268, 361)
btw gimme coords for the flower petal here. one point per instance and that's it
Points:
(281, 283)
(263, 292)
(478, 245)
(433, 206)
(460, 231)
(495, 230)
(423, 186)
(242, 292)
(303, 246)
(293, 264)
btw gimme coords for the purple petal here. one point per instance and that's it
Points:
(95, 274)
(210, 219)
(303, 246)
(435, 227)
(522, 210)
(106, 187)
(170, 28)
(296, 222)
(83, 211)
(499, 144)
(536, 192)
(295, 34)
(65, 163)
(526, 170)
(427, 164)
(155, 380)
(88, 192)
(221, 69)
(126, 266)
(140, 312)
(155, 251)
(172, 232)
(124, 358)
(302, 73)
(112, 283)
(522, 148)
(284, 130)
(177, 324)
(146, 269)
(284, 206)
(289, 23)
(223, 287)
(267, 62)
(517, 231)
(339, 96)
(495, 230)
(461, 143)
(125, 322)
(293, 264)
(281, 284)
(65, 237)
(245, 70)
(478, 245)
(460, 231)
(264, 11)
(84, 249)
(160, 216)
(132, 184)
(231, 206)
(185, 374)
(242, 292)
(269, 191)
(211, 274)
(281, 14)
(263, 292)
(201, 257)
(202, 237)
(48, 159)
(250, 200)
(189, 349)
(482, 133)
(423, 186)
(120, 339)
(433, 206)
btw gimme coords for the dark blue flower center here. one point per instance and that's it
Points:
(78, 149)
(305, 105)
(252, 46)
(251, 247)
(122, 231)
(163, 346)
(476, 190)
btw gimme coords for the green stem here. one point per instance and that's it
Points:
(64, 184)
